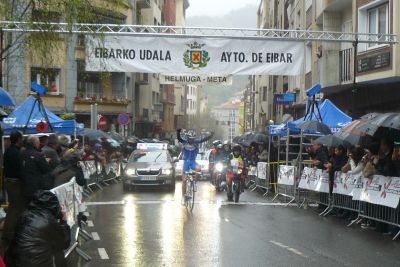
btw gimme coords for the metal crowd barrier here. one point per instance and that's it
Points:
(98, 175)
(285, 185)
(70, 197)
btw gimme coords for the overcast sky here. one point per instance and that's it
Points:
(216, 7)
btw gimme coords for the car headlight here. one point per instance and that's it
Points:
(219, 167)
(166, 171)
(130, 172)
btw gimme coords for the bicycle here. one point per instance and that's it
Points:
(191, 186)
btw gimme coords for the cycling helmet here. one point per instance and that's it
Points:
(226, 142)
(216, 142)
(236, 147)
(191, 135)
(220, 146)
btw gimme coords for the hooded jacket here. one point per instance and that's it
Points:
(40, 234)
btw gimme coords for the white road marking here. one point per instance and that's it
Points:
(103, 254)
(293, 250)
(95, 236)
(203, 202)
(89, 223)
(105, 203)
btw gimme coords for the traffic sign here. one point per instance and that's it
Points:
(102, 123)
(123, 119)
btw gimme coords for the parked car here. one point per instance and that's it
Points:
(201, 159)
(149, 167)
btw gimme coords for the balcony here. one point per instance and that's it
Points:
(346, 65)
(158, 107)
(168, 98)
(143, 4)
(142, 78)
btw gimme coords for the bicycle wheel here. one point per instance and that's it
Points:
(187, 195)
(191, 200)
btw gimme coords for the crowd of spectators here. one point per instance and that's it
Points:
(32, 166)
(378, 158)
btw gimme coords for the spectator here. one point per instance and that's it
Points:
(264, 153)
(336, 164)
(396, 157)
(356, 161)
(36, 170)
(41, 234)
(88, 153)
(43, 141)
(50, 151)
(13, 184)
(319, 155)
(385, 164)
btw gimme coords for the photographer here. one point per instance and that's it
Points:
(41, 234)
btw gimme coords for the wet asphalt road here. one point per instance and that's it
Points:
(152, 228)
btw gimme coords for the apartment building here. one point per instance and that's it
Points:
(228, 119)
(69, 88)
(373, 88)
(192, 105)
(180, 116)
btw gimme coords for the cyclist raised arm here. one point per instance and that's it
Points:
(190, 150)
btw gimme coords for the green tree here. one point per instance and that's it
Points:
(47, 12)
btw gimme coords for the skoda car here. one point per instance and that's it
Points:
(149, 167)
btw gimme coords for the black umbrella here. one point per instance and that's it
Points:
(332, 141)
(314, 126)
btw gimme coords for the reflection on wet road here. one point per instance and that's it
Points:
(151, 228)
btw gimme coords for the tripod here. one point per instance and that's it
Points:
(38, 101)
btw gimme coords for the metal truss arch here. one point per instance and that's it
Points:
(196, 32)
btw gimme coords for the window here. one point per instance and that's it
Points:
(378, 21)
(264, 97)
(89, 83)
(48, 78)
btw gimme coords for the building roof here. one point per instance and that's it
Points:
(229, 105)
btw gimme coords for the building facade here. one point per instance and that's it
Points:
(358, 78)
(69, 89)
(227, 117)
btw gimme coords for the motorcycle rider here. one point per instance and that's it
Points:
(236, 161)
(213, 155)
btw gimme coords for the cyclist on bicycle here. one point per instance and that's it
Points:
(190, 150)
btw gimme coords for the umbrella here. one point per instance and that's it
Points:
(259, 138)
(314, 126)
(387, 120)
(332, 141)
(351, 132)
(94, 134)
(6, 99)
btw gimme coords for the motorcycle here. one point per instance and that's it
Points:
(234, 183)
(219, 180)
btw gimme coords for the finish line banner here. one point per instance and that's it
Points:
(196, 79)
(206, 56)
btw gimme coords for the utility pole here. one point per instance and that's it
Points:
(253, 102)
(354, 89)
(1, 56)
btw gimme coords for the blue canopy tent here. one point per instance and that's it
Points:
(30, 113)
(331, 115)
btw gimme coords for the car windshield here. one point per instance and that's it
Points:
(149, 156)
(200, 156)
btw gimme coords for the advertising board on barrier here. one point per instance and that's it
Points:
(262, 170)
(286, 175)
(199, 56)
(381, 190)
(314, 180)
(65, 195)
(345, 183)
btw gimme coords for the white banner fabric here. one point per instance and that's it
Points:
(381, 190)
(345, 183)
(199, 56)
(262, 170)
(286, 175)
(195, 79)
(314, 180)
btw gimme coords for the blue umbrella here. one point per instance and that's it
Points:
(5, 98)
